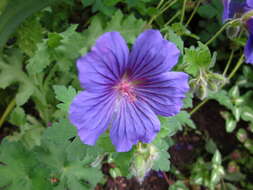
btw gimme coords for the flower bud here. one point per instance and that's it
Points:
(233, 32)
(242, 135)
(232, 167)
(201, 92)
(143, 160)
(115, 172)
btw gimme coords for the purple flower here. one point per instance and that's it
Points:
(124, 91)
(236, 8)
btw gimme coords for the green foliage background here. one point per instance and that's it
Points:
(39, 44)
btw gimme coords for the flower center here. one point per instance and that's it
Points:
(126, 89)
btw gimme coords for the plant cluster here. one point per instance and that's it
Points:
(46, 132)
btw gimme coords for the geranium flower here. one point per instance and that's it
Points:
(124, 91)
(235, 9)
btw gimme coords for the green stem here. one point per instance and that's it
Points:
(160, 4)
(198, 106)
(173, 18)
(183, 12)
(7, 111)
(237, 66)
(220, 31)
(228, 63)
(162, 10)
(193, 12)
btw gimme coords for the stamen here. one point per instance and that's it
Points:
(126, 89)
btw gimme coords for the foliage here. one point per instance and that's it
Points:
(40, 42)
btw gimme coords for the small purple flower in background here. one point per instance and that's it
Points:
(124, 91)
(234, 9)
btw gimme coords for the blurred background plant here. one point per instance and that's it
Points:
(208, 145)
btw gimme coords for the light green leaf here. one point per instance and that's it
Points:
(69, 161)
(176, 39)
(17, 116)
(29, 34)
(15, 12)
(222, 97)
(64, 95)
(197, 58)
(247, 114)
(162, 163)
(128, 26)
(11, 72)
(21, 169)
(40, 60)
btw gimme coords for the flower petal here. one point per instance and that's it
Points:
(225, 10)
(250, 3)
(249, 25)
(105, 64)
(133, 122)
(248, 50)
(164, 93)
(233, 7)
(151, 55)
(91, 114)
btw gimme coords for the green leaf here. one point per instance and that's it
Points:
(11, 72)
(176, 39)
(247, 114)
(162, 162)
(181, 30)
(29, 135)
(197, 58)
(216, 158)
(17, 116)
(21, 169)
(123, 161)
(40, 60)
(234, 92)
(69, 161)
(210, 146)
(222, 97)
(64, 95)
(176, 122)
(230, 125)
(179, 185)
(16, 12)
(70, 47)
(188, 100)
(105, 142)
(29, 34)
(3, 4)
(128, 26)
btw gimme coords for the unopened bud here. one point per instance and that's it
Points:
(115, 172)
(143, 161)
(233, 167)
(242, 135)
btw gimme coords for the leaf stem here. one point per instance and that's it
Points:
(173, 18)
(160, 4)
(220, 31)
(199, 106)
(228, 63)
(183, 12)
(237, 66)
(162, 10)
(10, 106)
(193, 12)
